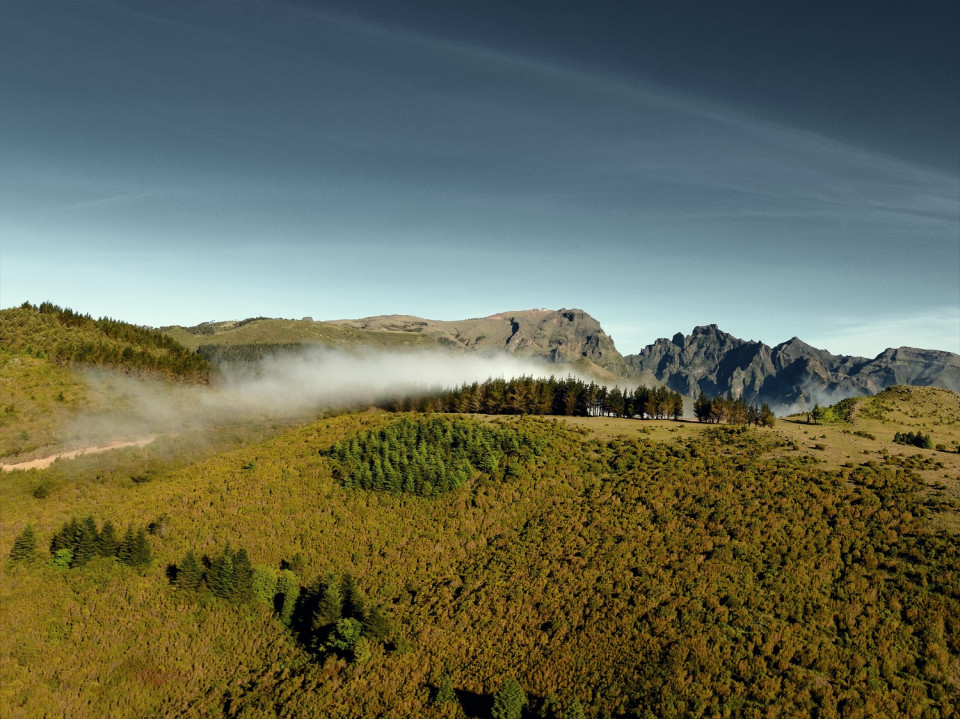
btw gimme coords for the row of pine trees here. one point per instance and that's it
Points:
(79, 541)
(550, 396)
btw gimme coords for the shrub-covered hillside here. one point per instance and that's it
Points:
(723, 573)
(67, 337)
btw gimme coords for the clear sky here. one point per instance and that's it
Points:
(779, 169)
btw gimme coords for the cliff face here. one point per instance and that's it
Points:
(565, 335)
(791, 374)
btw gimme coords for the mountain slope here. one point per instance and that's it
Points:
(561, 336)
(790, 374)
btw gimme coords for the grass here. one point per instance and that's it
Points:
(282, 331)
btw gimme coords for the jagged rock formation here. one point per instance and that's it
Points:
(792, 375)
(562, 336)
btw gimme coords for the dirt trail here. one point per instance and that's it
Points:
(45, 462)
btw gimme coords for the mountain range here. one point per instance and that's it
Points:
(791, 375)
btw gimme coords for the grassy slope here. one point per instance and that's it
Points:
(280, 331)
(43, 390)
(610, 558)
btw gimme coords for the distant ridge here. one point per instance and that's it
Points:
(792, 374)
(564, 336)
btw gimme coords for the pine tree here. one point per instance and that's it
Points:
(289, 587)
(108, 544)
(189, 573)
(360, 652)
(85, 546)
(25, 546)
(66, 538)
(510, 700)
(375, 623)
(242, 577)
(221, 576)
(140, 554)
(353, 605)
(125, 550)
(330, 608)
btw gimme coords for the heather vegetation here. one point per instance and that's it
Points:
(721, 573)
(67, 337)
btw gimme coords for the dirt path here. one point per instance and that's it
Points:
(45, 462)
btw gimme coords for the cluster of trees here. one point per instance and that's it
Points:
(914, 439)
(331, 615)
(510, 701)
(428, 455)
(551, 396)
(60, 334)
(79, 541)
(733, 411)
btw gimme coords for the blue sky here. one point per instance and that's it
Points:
(780, 169)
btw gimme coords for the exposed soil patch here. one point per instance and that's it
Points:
(44, 462)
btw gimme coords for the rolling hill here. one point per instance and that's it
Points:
(419, 564)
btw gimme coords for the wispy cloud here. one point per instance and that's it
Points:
(936, 328)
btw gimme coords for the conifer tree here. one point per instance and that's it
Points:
(189, 573)
(85, 546)
(24, 546)
(242, 577)
(66, 538)
(375, 623)
(221, 576)
(330, 608)
(353, 605)
(360, 651)
(108, 544)
(140, 553)
(125, 550)
(288, 586)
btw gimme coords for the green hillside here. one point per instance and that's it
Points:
(245, 339)
(48, 356)
(634, 568)
(69, 338)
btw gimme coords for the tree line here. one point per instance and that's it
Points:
(79, 541)
(550, 396)
(732, 411)
(103, 341)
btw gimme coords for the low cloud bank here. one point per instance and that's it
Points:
(284, 387)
